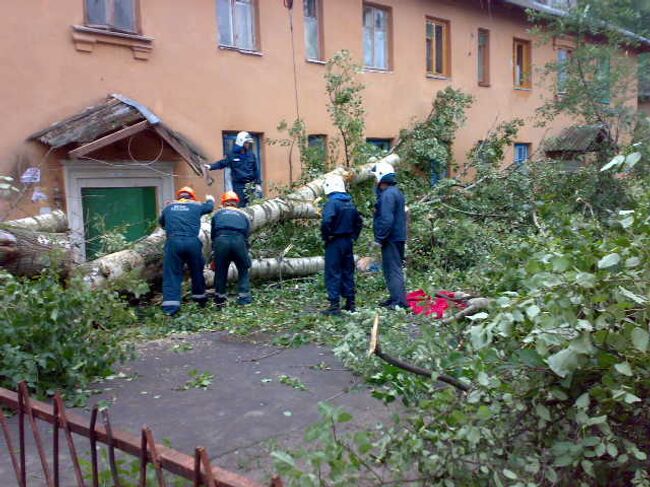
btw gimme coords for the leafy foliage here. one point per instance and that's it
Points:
(430, 140)
(345, 105)
(58, 336)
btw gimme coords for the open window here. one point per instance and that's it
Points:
(522, 64)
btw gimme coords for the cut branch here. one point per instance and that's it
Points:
(375, 349)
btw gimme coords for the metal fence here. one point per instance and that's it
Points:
(163, 459)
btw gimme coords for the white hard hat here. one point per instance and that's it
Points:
(242, 138)
(382, 169)
(334, 184)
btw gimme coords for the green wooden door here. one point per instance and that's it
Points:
(130, 212)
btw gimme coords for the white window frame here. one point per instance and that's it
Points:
(234, 42)
(117, 174)
(387, 12)
(317, 21)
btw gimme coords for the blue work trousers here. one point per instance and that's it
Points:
(392, 261)
(227, 248)
(240, 189)
(178, 252)
(339, 268)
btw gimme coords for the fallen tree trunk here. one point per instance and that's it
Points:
(265, 269)
(26, 252)
(55, 222)
(145, 257)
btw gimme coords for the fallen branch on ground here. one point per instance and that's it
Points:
(375, 349)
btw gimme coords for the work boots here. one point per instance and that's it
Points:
(333, 310)
(350, 304)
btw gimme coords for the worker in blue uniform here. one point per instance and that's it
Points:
(389, 226)
(340, 227)
(244, 168)
(230, 231)
(182, 223)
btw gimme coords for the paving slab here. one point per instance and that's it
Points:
(244, 412)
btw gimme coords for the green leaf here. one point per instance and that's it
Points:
(609, 260)
(583, 401)
(612, 450)
(563, 362)
(640, 338)
(630, 295)
(532, 311)
(632, 159)
(543, 412)
(614, 163)
(624, 368)
(284, 457)
(631, 398)
(509, 474)
(585, 279)
(478, 316)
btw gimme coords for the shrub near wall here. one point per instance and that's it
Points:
(58, 337)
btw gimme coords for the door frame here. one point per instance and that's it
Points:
(116, 174)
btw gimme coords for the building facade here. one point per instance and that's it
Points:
(206, 69)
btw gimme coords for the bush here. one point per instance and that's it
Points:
(57, 336)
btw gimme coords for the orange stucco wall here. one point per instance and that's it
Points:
(201, 90)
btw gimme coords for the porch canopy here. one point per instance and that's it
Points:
(117, 118)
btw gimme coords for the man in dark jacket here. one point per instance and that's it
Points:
(230, 231)
(182, 223)
(340, 227)
(389, 225)
(243, 166)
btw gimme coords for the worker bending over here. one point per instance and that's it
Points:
(243, 166)
(340, 227)
(182, 223)
(230, 231)
(389, 226)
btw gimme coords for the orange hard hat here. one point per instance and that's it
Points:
(229, 196)
(186, 190)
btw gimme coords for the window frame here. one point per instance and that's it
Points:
(254, 25)
(485, 81)
(527, 77)
(446, 47)
(389, 36)
(378, 142)
(516, 145)
(558, 82)
(110, 13)
(319, 24)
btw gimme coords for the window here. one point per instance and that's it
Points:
(521, 60)
(313, 42)
(437, 47)
(563, 55)
(381, 144)
(237, 24)
(483, 57)
(522, 153)
(375, 37)
(228, 143)
(317, 147)
(116, 15)
(603, 79)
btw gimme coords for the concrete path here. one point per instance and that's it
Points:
(243, 414)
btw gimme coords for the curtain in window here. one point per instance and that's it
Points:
(96, 12)
(562, 74)
(367, 37)
(312, 40)
(124, 15)
(244, 25)
(381, 40)
(429, 47)
(440, 68)
(224, 22)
